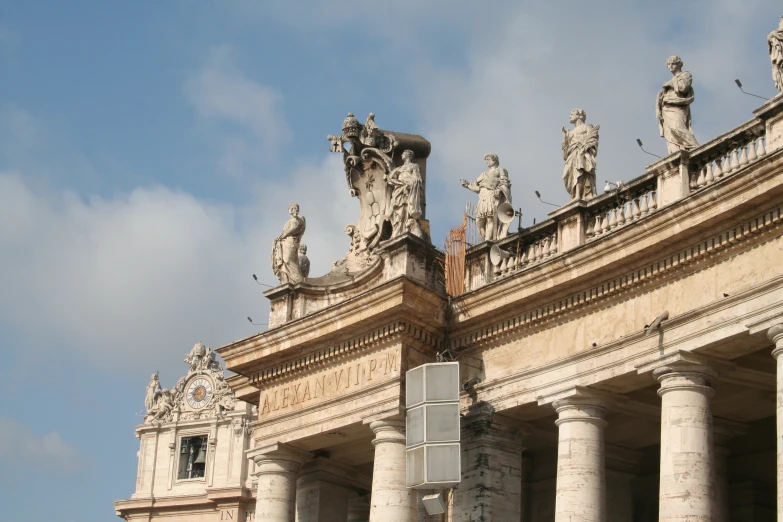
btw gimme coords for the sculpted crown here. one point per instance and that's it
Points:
(351, 126)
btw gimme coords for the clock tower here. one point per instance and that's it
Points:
(192, 459)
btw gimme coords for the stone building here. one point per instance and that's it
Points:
(192, 463)
(619, 357)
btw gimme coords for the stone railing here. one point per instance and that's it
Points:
(726, 154)
(622, 206)
(666, 182)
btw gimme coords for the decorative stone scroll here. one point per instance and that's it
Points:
(493, 188)
(775, 41)
(673, 108)
(387, 184)
(286, 249)
(163, 403)
(580, 147)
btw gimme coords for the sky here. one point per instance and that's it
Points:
(149, 152)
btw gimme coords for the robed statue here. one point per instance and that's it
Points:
(775, 41)
(405, 210)
(285, 252)
(580, 147)
(493, 189)
(153, 391)
(673, 108)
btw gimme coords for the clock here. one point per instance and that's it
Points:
(199, 393)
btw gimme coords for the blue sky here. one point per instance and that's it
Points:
(149, 150)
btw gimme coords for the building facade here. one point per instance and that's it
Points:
(619, 359)
(192, 452)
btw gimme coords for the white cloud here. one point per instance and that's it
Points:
(20, 446)
(244, 117)
(522, 77)
(133, 281)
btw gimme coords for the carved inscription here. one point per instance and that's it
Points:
(330, 383)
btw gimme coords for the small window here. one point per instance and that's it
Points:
(192, 457)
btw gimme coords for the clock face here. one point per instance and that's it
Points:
(199, 393)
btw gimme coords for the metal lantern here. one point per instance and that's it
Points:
(432, 426)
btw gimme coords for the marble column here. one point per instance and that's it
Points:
(581, 467)
(775, 334)
(277, 470)
(687, 473)
(391, 501)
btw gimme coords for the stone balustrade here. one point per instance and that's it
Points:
(727, 154)
(626, 204)
(667, 181)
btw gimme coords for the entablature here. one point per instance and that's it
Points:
(400, 308)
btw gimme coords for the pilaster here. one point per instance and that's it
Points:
(491, 469)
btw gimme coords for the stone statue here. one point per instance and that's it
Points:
(775, 41)
(580, 147)
(405, 207)
(673, 108)
(304, 262)
(153, 389)
(493, 189)
(386, 178)
(164, 406)
(285, 253)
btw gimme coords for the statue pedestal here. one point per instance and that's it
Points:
(404, 256)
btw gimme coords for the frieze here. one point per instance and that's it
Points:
(333, 382)
(665, 267)
(337, 352)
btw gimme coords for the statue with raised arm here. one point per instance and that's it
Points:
(580, 147)
(775, 41)
(405, 203)
(285, 252)
(493, 189)
(673, 108)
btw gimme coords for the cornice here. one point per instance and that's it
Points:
(510, 384)
(336, 353)
(400, 295)
(722, 244)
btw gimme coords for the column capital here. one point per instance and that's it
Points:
(580, 409)
(581, 396)
(685, 376)
(685, 370)
(388, 430)
(775, 334)
(278, 458)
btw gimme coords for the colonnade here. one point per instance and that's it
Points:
(690, 487)
(323, 495)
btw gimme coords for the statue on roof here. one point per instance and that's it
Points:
(304, 261)
(285, 252)
(673, 108)
(205, 382)
(775, 41)
(580, 147)
(387, 179)
(405, 208)
(153, 390)
(493, 188)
